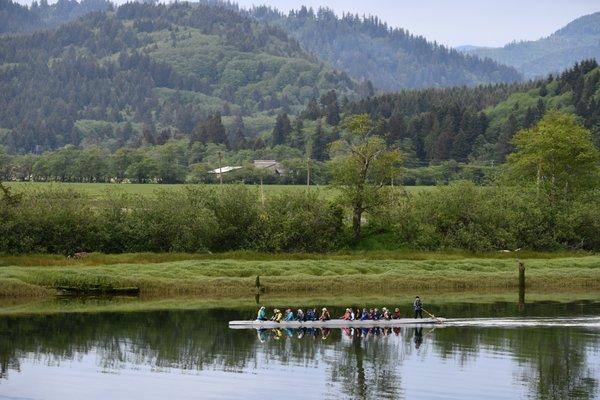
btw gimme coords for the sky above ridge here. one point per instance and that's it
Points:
(460, 22)
(453, 22)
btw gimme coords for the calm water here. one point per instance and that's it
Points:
(193, 354)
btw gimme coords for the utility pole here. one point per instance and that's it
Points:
(220, 168)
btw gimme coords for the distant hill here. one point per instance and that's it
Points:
(577, 41)
(477, 124)
(16, 18)
(164, 66)
(367, 48)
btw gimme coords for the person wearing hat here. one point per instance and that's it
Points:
(277, 315)
(262, 314)
(325, 316)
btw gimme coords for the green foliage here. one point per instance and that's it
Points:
(557, 154)
(478, 124)
(464, 216)
(193, 219)
(167, 67)
(299, 221)
(362, 166)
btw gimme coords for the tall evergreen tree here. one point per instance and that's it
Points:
(297, 140)
(396, 129)
(319, 143)
(281, 130)
(312, 110)
(239, 137)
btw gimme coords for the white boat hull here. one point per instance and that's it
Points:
(334, 323)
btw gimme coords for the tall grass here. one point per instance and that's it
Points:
(236, 277)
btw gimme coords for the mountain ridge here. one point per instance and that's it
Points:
(576, 41)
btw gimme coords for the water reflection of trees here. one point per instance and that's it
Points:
(360, 364)
(554, 360)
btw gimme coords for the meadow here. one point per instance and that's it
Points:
(336, 275)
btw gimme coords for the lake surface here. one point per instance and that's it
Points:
(545, 350)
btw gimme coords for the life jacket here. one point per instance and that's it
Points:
(277, 317)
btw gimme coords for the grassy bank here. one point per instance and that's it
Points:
(331, 276)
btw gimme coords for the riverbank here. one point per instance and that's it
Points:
(334, 274)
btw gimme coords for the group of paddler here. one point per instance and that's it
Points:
(349, 315)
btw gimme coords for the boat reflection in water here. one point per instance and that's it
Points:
(265, 335)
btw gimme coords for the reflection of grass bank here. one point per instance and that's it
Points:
(229, 278)
(434, 301)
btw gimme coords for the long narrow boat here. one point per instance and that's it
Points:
(334, 323)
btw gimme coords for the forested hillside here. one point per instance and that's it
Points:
(15, 18)
(117, 78)
(391, 58)
(469, 124)
(577, 41)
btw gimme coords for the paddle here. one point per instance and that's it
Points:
(433, 316)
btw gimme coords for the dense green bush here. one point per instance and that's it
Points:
(299, 221)
(188, 220)
(204, 218)
(465, 216)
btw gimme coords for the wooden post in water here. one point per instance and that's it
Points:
(521, 285)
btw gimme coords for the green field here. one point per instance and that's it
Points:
(332, 276)
(98, 189)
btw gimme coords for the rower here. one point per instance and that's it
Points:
(300, 315)
(347, 315)
(262, 314)
(277, 316)
(397, 314)
(418, 307)
(365, 315)
(386, 314)
(289, 315)
(325, 316)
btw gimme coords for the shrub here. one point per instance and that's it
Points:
(299, 221)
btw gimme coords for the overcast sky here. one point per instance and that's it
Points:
(456, 22)
(461, 22)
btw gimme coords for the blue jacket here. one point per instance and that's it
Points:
(289, 316)
(262, 315)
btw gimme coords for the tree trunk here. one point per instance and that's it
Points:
(356, 218)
